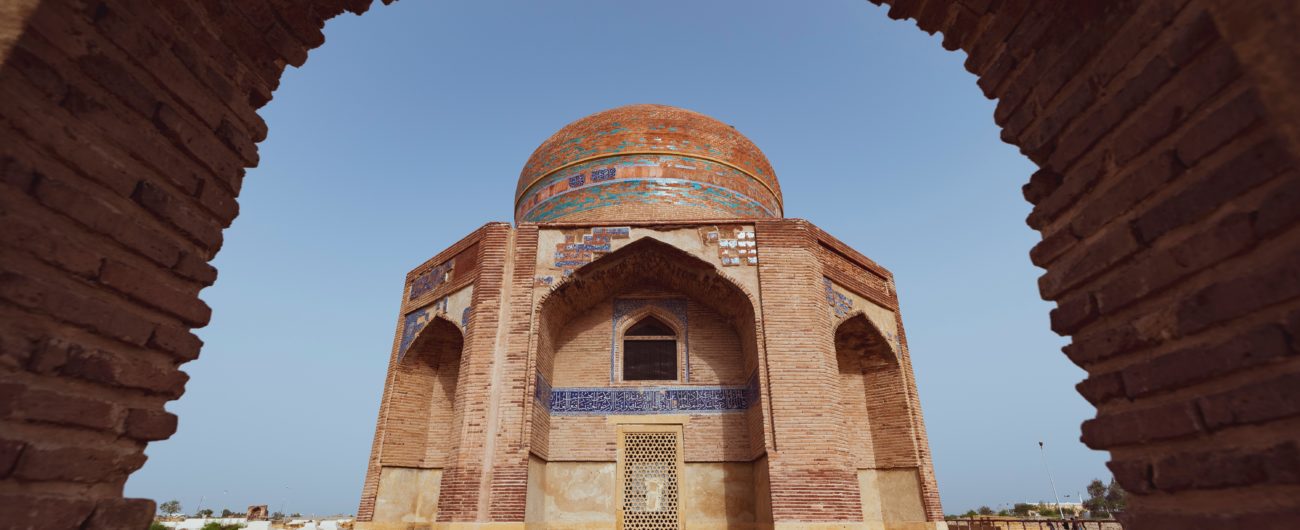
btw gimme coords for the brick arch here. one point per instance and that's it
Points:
(873, 390)
(1166, 132)
(649, 261)
(857, 334)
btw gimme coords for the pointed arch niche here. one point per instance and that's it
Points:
(419, 438)
(648, 291)
(877, 416)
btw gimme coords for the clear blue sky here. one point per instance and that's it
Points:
(408, 128)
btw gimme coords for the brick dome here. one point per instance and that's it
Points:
(646, 162)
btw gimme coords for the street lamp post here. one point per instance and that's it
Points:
(1043, 451)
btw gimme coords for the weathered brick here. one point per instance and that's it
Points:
(1132, 475)
(1188, 91)
(1052, 246)
(1088, 260)
(1218, 469)
(1230, 179)
(1041, 185)
(1270, 283)
(113, 514)
(1104, 343)
(961, 27)
(98, 215)
(49, 246)
(196, 267)
(98, 315)
(140, 285)
(198, 225)
(31, 510)
(1161, 422)
(1073, 312)
(150, 425)
(1218, 127)
(1098, 389)
(113, 369)
(1279, 210)
(183, 344)
(77, 464)
(1127, 191)
(10, 450)
(1109, 111)
(1202, 362)
(1270, 399)
(66, 409)
(1158, 269)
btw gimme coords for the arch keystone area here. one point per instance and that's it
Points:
(1166, 132)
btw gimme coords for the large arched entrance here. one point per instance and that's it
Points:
(1166, 133)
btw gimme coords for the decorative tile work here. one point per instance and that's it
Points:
(646, 400)
(752, 390)
(839, 302)
(580, 248)
(431, 279)
(413, 323)
(647, 179)
(894, 340)
(542, 391)
(674, 306)
(736, 245)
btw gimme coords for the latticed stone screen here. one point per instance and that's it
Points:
(650, 477)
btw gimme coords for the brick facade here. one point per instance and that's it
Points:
(1166, 133)
(771, 337)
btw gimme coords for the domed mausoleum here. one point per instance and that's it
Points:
(650, 345)
(646, 162)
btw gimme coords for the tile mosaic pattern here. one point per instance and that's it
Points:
(624, 307)
(582, 247)
(413, 323)
(839, 302)
(431, 279)
(668, 178)
(643, 128)
(736, 245)
(646, 400)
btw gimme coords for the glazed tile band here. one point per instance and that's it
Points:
(524, 193)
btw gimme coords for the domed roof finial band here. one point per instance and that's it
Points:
(524, 193)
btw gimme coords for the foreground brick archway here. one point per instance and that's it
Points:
(1168, 198)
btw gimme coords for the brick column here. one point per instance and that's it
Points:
(811, 472)
(464, 489)
(509, 473)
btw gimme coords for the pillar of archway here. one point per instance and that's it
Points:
(1165, 131)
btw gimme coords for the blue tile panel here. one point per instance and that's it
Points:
(647, 179)
(415, 321)
(646, 400)
(412, 324)
(431, 279)
(736, 246)
(673, 306)
(839, 302)
(582, 247)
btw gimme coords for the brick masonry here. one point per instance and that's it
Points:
(1166, 133)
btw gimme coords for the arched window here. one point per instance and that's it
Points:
(650, 351)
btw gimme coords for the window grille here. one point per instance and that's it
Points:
(650, 467)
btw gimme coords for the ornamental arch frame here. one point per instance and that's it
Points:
(1166, 133)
